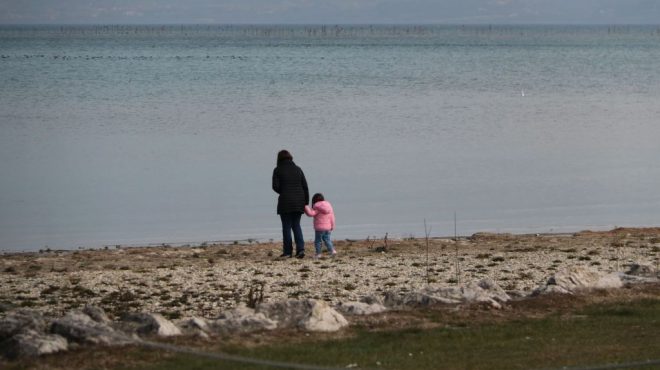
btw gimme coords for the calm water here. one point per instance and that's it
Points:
(133, 135)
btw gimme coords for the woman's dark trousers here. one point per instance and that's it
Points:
(291, 222)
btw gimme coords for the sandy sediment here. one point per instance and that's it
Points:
(204, 280)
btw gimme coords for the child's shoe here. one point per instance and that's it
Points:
(317, 256)
(333, 254)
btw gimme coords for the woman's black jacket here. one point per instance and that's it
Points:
(290, 183)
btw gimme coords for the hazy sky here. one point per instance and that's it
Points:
(330, 11)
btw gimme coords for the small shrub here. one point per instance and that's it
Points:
(171, 315)
(298, 293)
(50, 290)
(83, 292)
(255, 294)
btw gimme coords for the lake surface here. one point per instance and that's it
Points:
(168, 134)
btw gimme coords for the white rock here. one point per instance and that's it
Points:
(484, 291)
(308, 314)
(642, 270)
(576, 278)
(152, 323)
(420, 298)
(493, 290)
(194, 323)
(323, 318)
(242, 319)
(18, 321)
(359, 308)
(78, 327)
(371, 299)
(609, 281)
(97, 314)
(30, 343)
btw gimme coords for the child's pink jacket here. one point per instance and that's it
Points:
(324, 216)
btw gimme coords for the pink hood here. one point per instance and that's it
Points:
(324, 216)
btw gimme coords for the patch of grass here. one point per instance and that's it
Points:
(298, 293)
(83, 292)
(597, 335)
(50, 290)
(350, 286)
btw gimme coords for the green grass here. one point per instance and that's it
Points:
(595, 336)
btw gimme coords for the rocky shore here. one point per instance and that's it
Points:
(119, 295)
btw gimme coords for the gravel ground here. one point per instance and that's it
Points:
(204, 280)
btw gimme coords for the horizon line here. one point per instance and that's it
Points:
(334, 24)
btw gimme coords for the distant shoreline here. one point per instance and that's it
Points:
(308, 241)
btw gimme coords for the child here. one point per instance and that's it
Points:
(324, 223)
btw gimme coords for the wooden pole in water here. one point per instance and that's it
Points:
(458, 268)
(427, 232)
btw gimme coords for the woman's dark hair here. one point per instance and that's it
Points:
(284, 155)
(317, 198)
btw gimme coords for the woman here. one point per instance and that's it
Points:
(290, 183)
